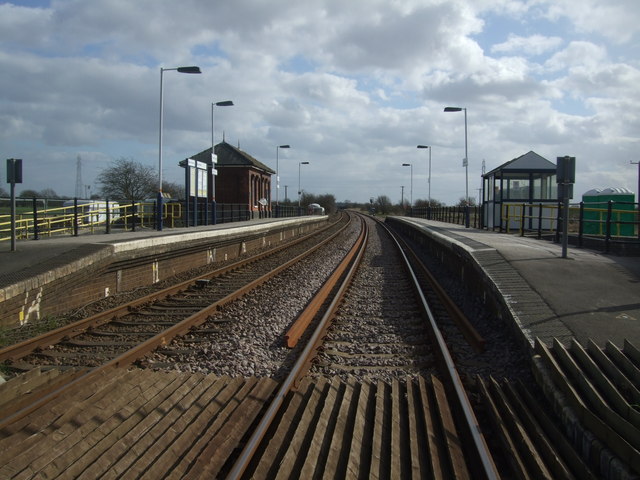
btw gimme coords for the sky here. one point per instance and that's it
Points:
(352, 86)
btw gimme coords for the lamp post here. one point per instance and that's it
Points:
(278, 172)
(192, 69)
(429, 178)
(214, 160)
(411, 188)
(465, 162)
(225, 103)
(299, 189)
(638, 197)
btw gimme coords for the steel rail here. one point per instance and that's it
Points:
(468, 331)
(481, 453)
(21, 349)
(353, 259)
(313, 307)
(161, 338)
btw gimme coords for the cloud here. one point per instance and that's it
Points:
(352, 88)
(528, 46)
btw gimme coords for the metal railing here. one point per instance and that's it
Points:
(101, 216)
(608, 221)
(455, 215)
(36, 218)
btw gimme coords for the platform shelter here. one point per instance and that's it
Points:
(240, 179)
(526, 180)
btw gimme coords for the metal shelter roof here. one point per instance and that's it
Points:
(529, 162)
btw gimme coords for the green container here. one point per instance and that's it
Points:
(596, 204)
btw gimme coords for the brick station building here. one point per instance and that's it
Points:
(241, 179)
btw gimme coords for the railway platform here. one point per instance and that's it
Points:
(50, 275)
(34, 257)
(587, 295)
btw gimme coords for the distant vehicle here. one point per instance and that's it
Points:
(315, 209)
(95, 211)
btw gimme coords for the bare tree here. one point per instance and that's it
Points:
(383, 204)
(463, 202)
(127, 180)
(48, 193)
(175, 190)
(29, 194)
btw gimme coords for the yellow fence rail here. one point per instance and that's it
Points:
(91, 217)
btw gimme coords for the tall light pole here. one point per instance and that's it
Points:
(411, 188)
(638, 195)
(465, 162)
(192, 69)
(299, 189)
(225, 103)
(278, 171)
(429, 178)
(214, 160)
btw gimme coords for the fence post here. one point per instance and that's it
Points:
(75, 217)
(108, 216)
(581, 223)
(133, 215)
(506, 219)
(522, 220)
(558, 212)
(35, 219)
(607, 236)
(540, 220)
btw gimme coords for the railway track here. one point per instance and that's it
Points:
(125, 333)
(365, 397)
(353, 404)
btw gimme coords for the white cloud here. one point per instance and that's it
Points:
(616, 20)
(352, 88)
(533, 45)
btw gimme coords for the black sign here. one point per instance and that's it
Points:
(14, 170)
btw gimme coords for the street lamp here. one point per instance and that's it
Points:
(429, 178)
(214, 160)
(192, 69)
(299, 189)
(411, 188)
(225, 103)
(465, 162)
(278, 171)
